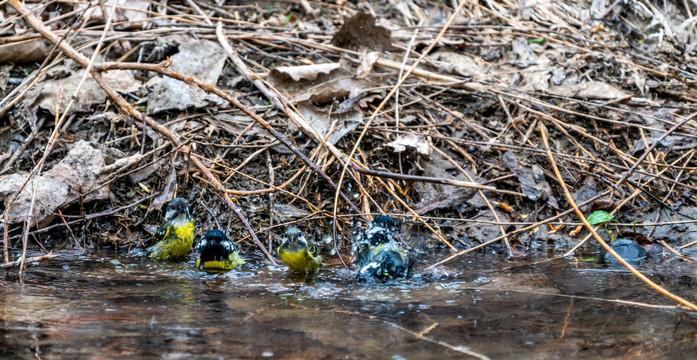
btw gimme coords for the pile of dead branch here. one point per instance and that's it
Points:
(473, 123)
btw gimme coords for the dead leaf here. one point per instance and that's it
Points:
(72, 179)
(532, 181)
(238, 125)
(304, 72)
(360, 31)
(368, 60)
(65, 79)
(410, 141)
(524, 56)
(459, 64)
(5, 75)
(200, 59)
(441, 200)
(167, 192)
(589, 90)
(319, 84)
(131, 10)
(325, 123)
(25, 52)
(283, 213)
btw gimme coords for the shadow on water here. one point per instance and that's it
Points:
(131, 307)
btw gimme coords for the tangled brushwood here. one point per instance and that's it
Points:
(452, 118)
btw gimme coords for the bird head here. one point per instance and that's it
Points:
(385, 222)
(177, 207)
(215, 237)
(380, 231)
(215, 244)
(294, 240)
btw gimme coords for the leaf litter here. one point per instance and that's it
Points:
(608, 81)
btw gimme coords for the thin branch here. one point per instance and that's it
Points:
(579, 213)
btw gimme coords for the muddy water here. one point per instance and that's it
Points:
(107, 306)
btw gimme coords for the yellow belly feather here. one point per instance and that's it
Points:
(233, 261)
(301, 261)
(175, 244)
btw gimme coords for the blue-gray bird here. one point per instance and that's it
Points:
(380, 255)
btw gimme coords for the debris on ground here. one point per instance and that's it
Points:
(260, 107)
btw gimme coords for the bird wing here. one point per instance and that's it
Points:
(161, 234)
(312, 248)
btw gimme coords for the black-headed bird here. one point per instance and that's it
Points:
(217, 253)
(175, 236)
(380, 255)
(298, 253)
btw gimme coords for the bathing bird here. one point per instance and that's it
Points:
(217, 253)
(629, 250)
(380, 254)
(175, 236)
(298, 253)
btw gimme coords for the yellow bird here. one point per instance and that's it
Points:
(175, 236)
(300, 255)
(217, 253)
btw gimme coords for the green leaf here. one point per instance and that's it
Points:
(599, 217)
(590, 258)
(144, 187)
(537, 40)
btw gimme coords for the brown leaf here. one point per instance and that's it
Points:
(331, 126)
(304, 72)
(64, 81)
(360, 31)
(72, 179)
(589, 90)
(25, 52)
(201, 59)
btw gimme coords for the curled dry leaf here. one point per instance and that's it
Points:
(332, 126)
(367, 62)
(304, 72)
(320, 84)
(410, 141)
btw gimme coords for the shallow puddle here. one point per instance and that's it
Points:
(116, 306)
